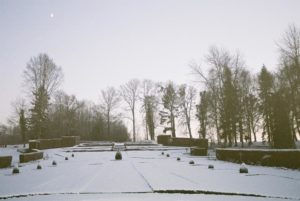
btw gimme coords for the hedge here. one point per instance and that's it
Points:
(32, 156)
(167, 140)
(289, 158)
(5, 161)
(64, 141)
(197, 151)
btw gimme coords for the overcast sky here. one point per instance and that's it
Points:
(101, 43)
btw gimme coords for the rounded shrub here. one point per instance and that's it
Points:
(191, 162)
(15, 170)
(168, 155)
(178, 159)
(73, 155)
(39, 167)
(54, 163)
(243, 168)
(210, 166)
(162, 153)
(66, 158)
(118, 155)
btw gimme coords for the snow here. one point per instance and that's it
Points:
(140, 175)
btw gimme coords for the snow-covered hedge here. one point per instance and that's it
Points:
(32, 156)
(5, 161)
(167, 140)
(267, 157)
(64, 141)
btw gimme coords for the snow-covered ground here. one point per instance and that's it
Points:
(142, 175)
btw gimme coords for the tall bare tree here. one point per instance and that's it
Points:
(130, 94)
(42, 77)
(289, 73)
(110, 99)
(187, 96)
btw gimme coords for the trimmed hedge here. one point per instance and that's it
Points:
(197, 151)
(163, 139)
(289, 158)
(167, 140)
(5, 161)
(69, 141)
(32, 156)
(65, 141)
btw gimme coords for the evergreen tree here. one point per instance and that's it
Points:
(202, 113)
(265, 82)
(170, 107)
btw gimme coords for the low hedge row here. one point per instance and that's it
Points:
(5, 161)
(167, 140)
(197, 151)
(32, 156)
(64, 141)
(289, 158)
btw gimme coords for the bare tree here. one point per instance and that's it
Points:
(289, 74)
(130, 94)
(19, 117)
(187, 97)
(43, 77)
(109, 101)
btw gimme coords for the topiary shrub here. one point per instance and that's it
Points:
(118, 155)
(191, 162)
(243, 168)
(39, 167)
(15, 170)
(73, 155)
(178, 159)
(168, 155)
(54, 163)
(66, 158)
(210, 166)
(162, 153)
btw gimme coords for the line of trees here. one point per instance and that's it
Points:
(234, 107)
(236, 104)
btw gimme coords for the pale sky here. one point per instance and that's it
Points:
(101, 43)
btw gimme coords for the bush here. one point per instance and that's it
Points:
(191, 162)
(66, 158)
(178, 159)
(73, 155)
(15, 170)
(168, 155)
(31, 156)
(118, 155)
(54, 163)
(39, 167)
(210, 166)
(269, 157)
(5, 161)
(243, 168)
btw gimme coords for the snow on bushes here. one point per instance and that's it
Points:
(118, 155)
(54, 163)
(243, 168)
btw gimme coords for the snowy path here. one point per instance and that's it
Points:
(97, 176)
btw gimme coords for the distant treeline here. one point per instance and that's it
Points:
(233, 107)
